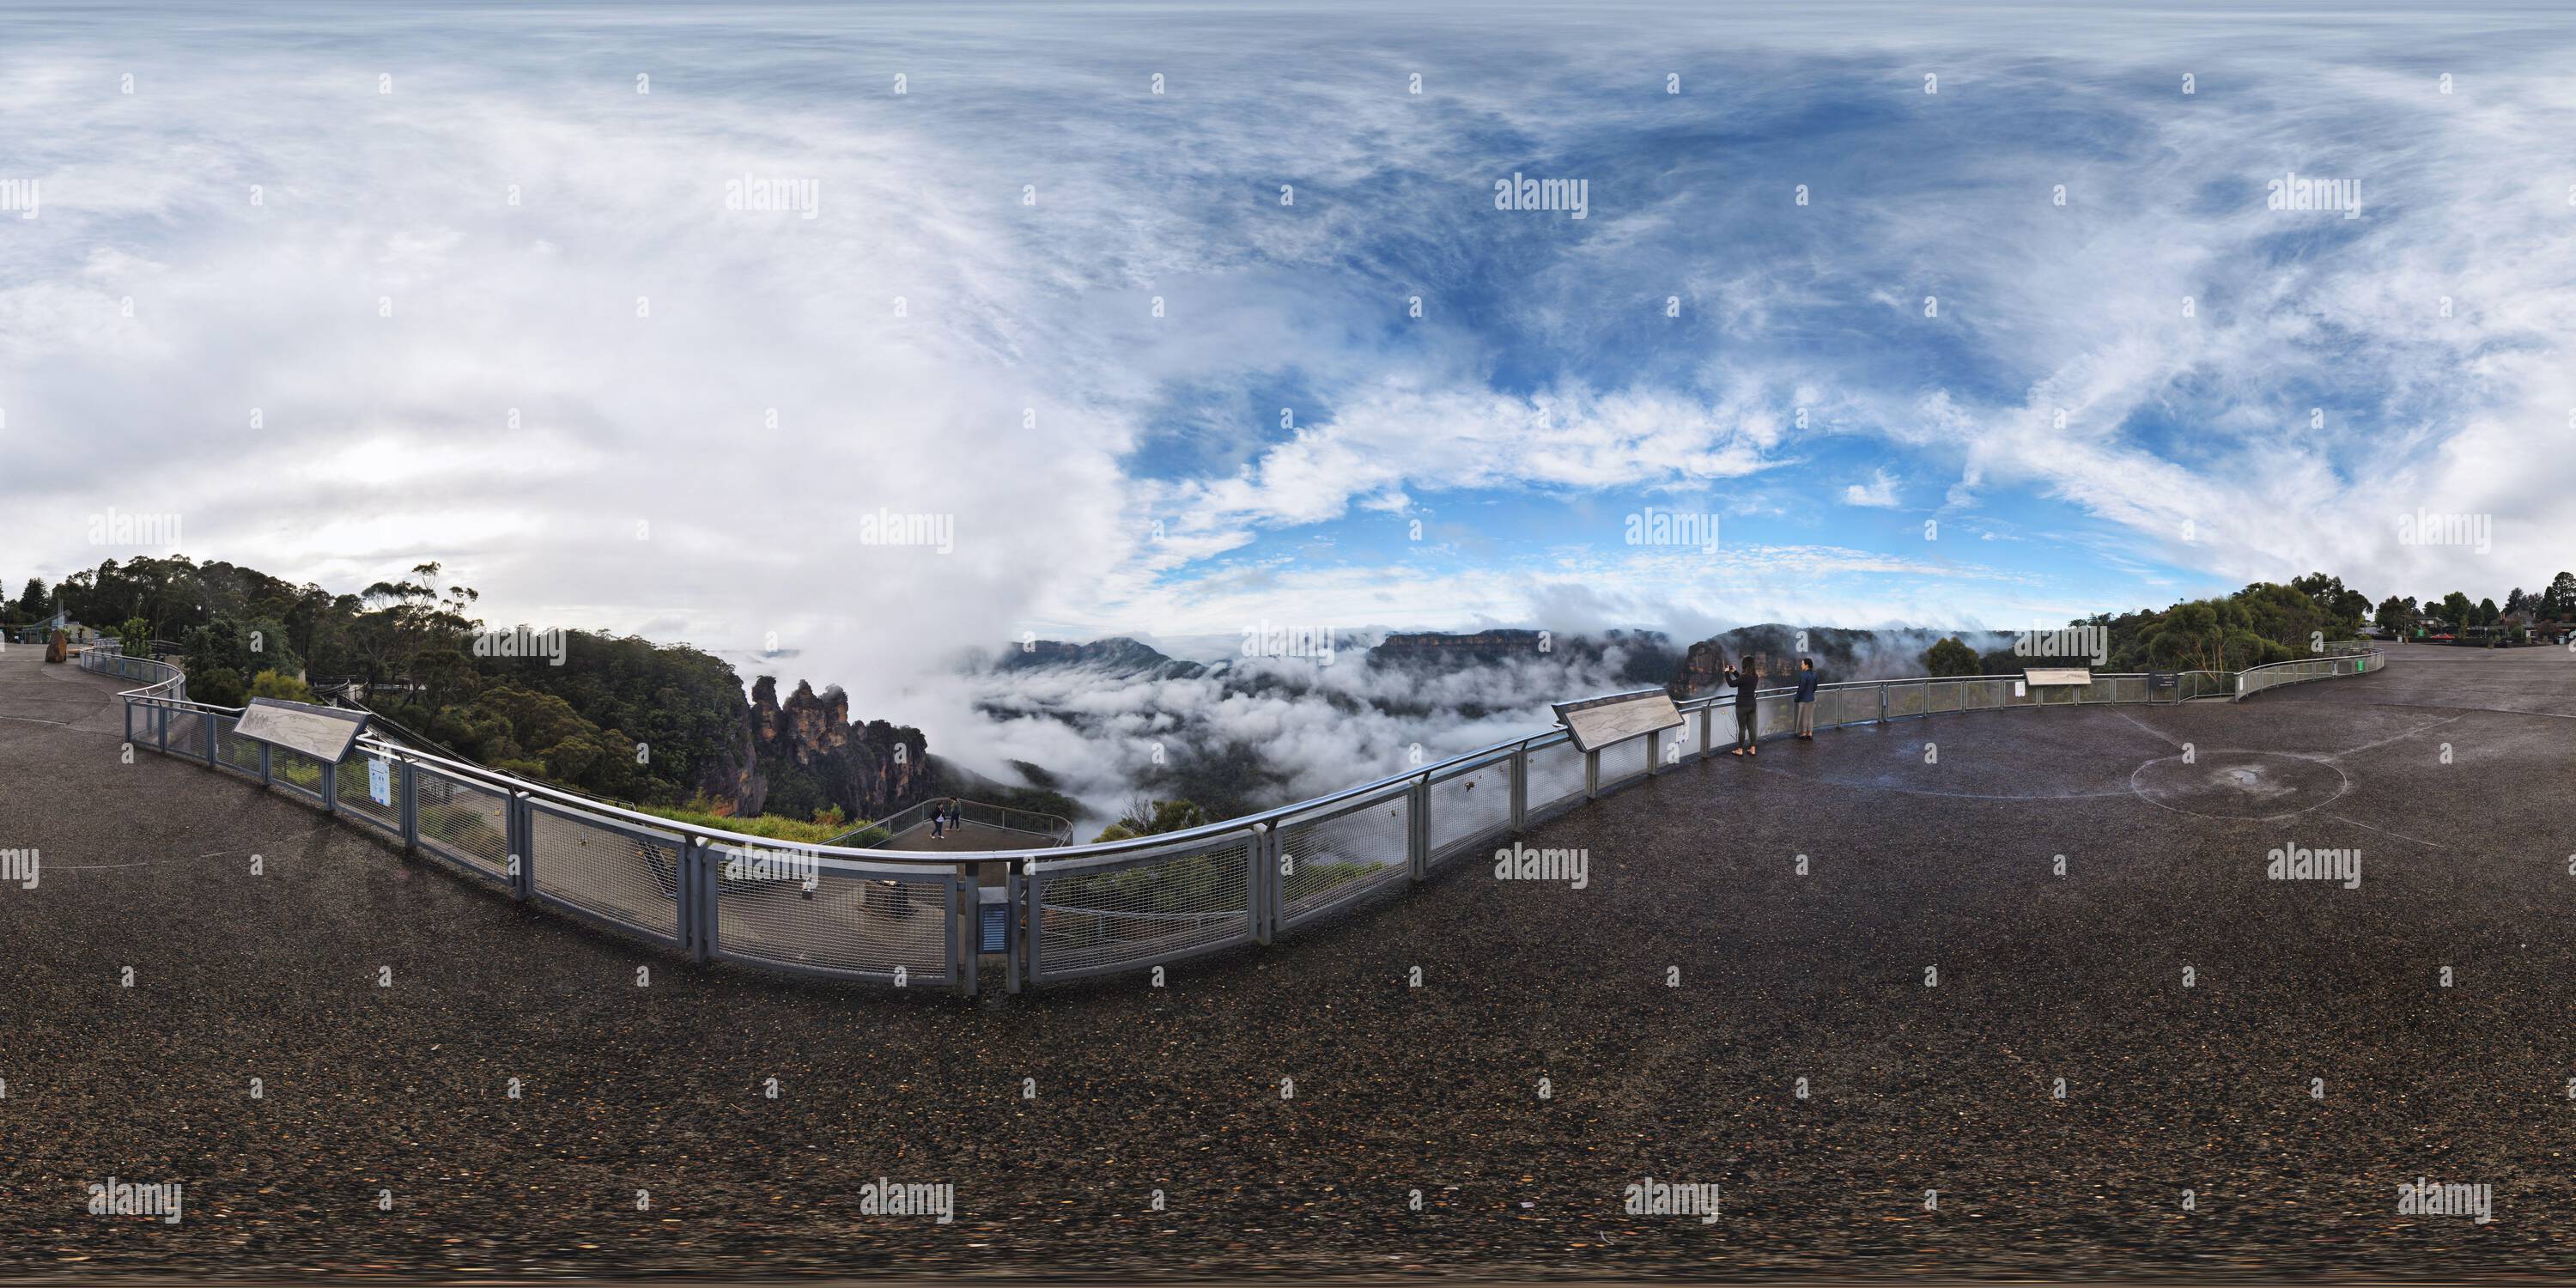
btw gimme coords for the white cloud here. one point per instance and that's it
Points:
(1880, 491)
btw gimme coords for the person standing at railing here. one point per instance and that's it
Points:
(1806, 699)
(1743, 676)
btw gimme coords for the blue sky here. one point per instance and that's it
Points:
(294, 284)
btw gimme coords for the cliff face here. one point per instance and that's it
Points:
(1118, 655)
(1480, 646)
(731, 775)
(811, 754)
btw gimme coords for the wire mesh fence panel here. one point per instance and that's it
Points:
(371, 788)
(1345, 853)
(1470, 805)
(1830, 704)
(1677, 744)
(627, 876)
(2104, 688)
(1777, 713)
(1555, 776)
(792, 909)
(296, 773)
(1100, 915)
(1905, 700)
(1626, 762)
(465, 823)
(188, 734)
(1945, 695)
(232, 751)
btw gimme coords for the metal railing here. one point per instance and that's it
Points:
(930, 918)
(1041, 829)
(2343, 657)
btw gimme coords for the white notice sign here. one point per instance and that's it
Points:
(380, 780)
(323, 733)
(1614, 718)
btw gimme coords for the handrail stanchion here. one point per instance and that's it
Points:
(1015, 930)
(407, 787)
(1417, 837)
(966, 915)
(1520, 787)
(330, 789)
(697, 924)
(1592, 775)
(522, 862)
(1272, 845)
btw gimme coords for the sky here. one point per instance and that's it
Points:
(1177, 320)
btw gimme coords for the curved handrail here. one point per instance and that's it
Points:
(1027, 858)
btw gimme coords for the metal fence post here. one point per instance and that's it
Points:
(330, 789)
(966, 912)
(692, 910)
(1520, 788)
(206, 726)
(266, 774)
(161, 728)
(1265, 882)
(1591, 775)
(1417, 838)
(1012, 931)
(522, 882)
(407, 795)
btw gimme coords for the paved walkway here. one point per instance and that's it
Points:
(2451, 772)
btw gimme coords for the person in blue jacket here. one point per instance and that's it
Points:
(1806, 699)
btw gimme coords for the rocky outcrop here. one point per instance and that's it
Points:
(811, 754)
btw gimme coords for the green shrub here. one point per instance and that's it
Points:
(284, 688)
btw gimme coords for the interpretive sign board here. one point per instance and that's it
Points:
(1596, 723)
(2049, 675)
(324, 733)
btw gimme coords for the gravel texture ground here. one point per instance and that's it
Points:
(1672, 1007)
